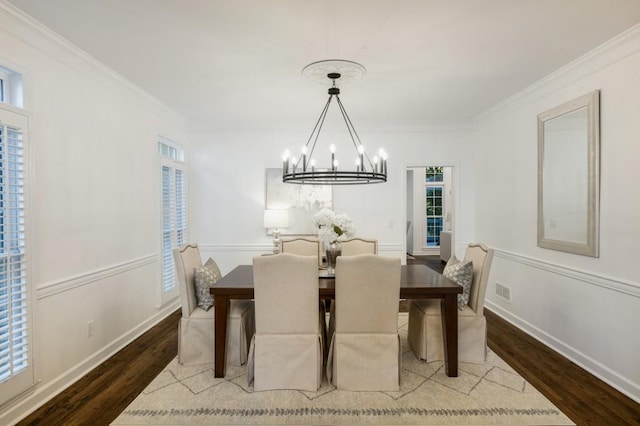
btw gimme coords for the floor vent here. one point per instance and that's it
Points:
(503, 291)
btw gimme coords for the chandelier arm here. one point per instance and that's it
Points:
(334, 175)
(321, 119)
(347, 121)
(352, 131)
(319, 123)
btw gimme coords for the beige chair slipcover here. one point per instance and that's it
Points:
(302, 247)
(308, 247)
(286, 351)
(351, 247)
(196, 327)
(425, 321)
(365, 349)
(354, 246)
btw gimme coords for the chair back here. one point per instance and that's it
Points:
(367, 293)
(303, 247)
(286, 294)
(186, 258)
(481, 256)
(355, 246)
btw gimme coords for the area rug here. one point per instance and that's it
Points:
(492, 393)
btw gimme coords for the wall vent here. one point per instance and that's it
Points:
(503, 291)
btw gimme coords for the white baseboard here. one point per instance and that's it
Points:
(40, 395)
(622, 384)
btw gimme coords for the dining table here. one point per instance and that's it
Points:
(416, 282)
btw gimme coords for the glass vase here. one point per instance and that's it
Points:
(333, 250)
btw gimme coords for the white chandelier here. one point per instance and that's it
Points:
(303, 170)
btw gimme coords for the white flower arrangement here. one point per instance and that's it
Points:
(331, 226)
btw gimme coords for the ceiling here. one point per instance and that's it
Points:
(236, 64)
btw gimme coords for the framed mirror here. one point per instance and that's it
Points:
(569, 176)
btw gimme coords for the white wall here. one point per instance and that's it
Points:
(95, 205)
(586, 308)
(228, 188)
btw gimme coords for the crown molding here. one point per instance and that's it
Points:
(623, 45)
(46, 41)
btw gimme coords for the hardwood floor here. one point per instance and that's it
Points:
(100, 396)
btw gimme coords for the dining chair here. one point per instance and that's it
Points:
(196, 327)
(353, 246)
(302, 247)
(286, 351)
(365, 349)
(425, 320)
(308, 247)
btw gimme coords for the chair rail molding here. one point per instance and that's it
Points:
(622, 286)
(268, 247)
(65, 284)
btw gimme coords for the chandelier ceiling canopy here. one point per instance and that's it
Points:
(303, 170)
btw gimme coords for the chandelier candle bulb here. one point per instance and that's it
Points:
(332, 150)
(285, 162)
(304, 158)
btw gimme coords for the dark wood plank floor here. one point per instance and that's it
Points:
(100, 396)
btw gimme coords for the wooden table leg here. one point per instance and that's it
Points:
(449, 307)
(221, 314)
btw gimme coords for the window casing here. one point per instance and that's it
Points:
(16, 341)
(174, 213)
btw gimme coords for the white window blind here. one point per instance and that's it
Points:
(16, 366)
(174, 215)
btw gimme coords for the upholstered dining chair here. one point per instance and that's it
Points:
(308, 247)
(302, 247)
(351, 247)
(365, 349)
(355, 246)
(425, 320)
(286, 351)
(196, 327)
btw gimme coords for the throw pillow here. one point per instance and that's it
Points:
(461, 273)
(204, 277)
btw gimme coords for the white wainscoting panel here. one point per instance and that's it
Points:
(586, 317)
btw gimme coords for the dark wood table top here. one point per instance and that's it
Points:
(417, 281)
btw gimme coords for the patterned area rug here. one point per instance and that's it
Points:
(492, 393)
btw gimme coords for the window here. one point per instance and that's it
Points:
(174, 213)
(16, 365)
(10, 87)
(434, 174)
(434, 189)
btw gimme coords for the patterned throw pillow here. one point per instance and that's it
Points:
(204, 277)
(461, 273)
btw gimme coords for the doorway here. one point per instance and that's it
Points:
(430, 211)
